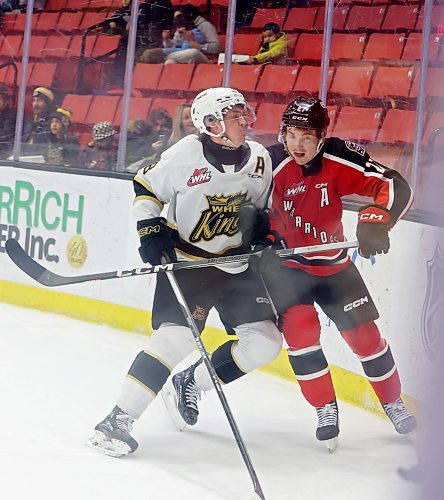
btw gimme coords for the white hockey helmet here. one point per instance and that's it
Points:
(209, 106)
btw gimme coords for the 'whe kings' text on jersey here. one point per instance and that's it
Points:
(204, 198)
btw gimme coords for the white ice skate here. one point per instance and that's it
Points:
(112, 435)
(328, 425)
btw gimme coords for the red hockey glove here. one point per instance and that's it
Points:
(372, 230)
(157, 240)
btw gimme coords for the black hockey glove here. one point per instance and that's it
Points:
(156, 240)
(254, 224)
(372, 230)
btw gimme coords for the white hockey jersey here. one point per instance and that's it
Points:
(204, 198)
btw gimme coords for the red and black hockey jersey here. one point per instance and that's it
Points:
(306, 205)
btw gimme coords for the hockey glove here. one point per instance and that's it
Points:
(372, 230)
(156, 240)
(254, 224)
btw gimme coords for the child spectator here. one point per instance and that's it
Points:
(36, 127)
(64, 147)
(182, 124)
(273, 47)
(101, 154)
(7, 122)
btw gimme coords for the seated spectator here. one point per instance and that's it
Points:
(36, 127)
(117, 24)
(182, 124)
(7, 122)
(183, 38)
(64, 147)
(101, 153)
(199, 51)
(273, 48)
(161, 124)
(138, 140)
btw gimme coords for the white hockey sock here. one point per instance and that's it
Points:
(134, 398)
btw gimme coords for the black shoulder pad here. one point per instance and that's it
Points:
(277, 154)
(346, 150)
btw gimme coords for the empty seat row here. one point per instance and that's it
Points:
(349, 17)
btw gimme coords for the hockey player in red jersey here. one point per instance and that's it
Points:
(311, 174)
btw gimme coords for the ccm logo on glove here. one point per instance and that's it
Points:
(372, 231)
(149, 230)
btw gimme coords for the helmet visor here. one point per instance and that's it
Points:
(240, 112)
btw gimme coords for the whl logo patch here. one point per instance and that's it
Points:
(295, 189)
(200, 176)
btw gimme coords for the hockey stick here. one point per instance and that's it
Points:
(217, 385)
(45, 277)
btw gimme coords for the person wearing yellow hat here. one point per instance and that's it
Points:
(36, 127)
(63, 147)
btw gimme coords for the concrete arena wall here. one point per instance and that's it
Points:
(76, 224)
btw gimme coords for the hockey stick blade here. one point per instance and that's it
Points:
(45, 277)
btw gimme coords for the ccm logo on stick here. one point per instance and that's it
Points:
(355, 304)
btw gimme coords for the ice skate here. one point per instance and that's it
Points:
(403, 421)
(328, 425)
(181, 398)
(112, 435)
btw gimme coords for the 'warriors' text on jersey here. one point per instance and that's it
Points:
(306, 201)
(204, 196)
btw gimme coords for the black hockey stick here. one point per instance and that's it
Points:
(217, 385)
(45, 277)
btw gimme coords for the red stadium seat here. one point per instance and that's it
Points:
(392, 81)
(347, 46)
(245, 78)
(301, 18)
(139, 108)
(76, 4)
(386, 154)
(384, 46)
(47, 21)
(412, 49)
(359, 124)
(398, 126)
(79, 105)
(352, 80)
(74, 49)
(11, 46)
(363, 17)
(56, 46)
(104, 45)
(55, 5)
(92, 18)
(400, 17)
(264, 16)
(308, 46)
(42, 75)
(147, 76)
(69, 21)
(340, 14)
(103, 108)
(277, 79)
(36, 47)
(268, 118)
(206, 76)
(246, 43)
(176, 77)
(309, 78)
(434, 86)
(169, 105)
(437, 17)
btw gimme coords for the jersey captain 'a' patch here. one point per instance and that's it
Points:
(199, 176)
(220, 218)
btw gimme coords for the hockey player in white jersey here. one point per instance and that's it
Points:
(205, 179)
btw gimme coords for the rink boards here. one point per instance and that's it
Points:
(80, 224)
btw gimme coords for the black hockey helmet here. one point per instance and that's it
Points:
(305, 112)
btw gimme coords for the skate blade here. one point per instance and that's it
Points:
(170, 400)
(331, 444)
(112, 448)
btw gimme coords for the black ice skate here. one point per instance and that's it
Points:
(403, 421)
(112, 435)
(328, 425)
(181, 396)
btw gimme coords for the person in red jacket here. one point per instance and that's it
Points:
(311, 175)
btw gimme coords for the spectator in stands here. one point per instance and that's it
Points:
(119, 20)
(7, 122)
(182, 124)
(36, 128)
(155, 16)
(138, 140)
(199, 51)
(101, 153)
(63, 147)
(185, 37)
(161, 124)
(273, 47)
